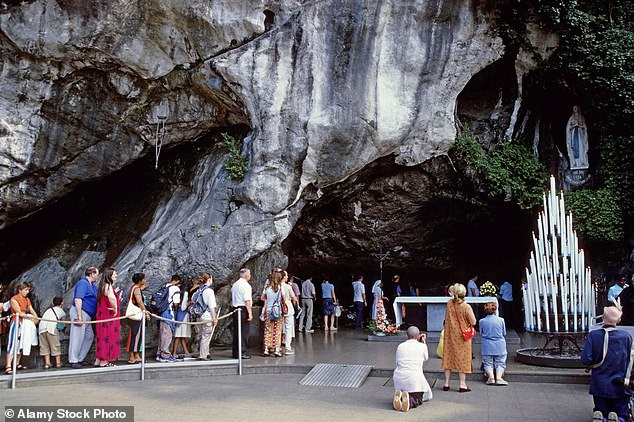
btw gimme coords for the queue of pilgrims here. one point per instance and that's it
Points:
(187, 310)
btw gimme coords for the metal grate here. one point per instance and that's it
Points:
(337, 375)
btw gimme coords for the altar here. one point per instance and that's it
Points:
(436, 306)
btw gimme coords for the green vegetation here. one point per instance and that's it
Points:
(510, 171)
(236, 163)
(594, 64)
(597, 214)
(215, 227)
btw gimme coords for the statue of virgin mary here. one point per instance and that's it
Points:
(577, 140)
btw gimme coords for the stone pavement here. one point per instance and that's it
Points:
(269, 390)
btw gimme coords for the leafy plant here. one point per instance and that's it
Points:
(236, 162)
(510, 171)
(596, 213)
(215, 227)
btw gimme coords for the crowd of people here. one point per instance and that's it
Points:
(97, 303)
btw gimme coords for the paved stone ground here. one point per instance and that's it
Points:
(275, 397)
(271, 390)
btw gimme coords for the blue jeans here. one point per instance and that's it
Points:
(358, 319)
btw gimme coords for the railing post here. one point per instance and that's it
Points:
(239, 341)
(16, 346)
(143, 346)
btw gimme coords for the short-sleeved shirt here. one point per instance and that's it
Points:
(87, 292)
(296, 289)
(288, 294)
(241, 292)
(24, 303)
(472, 285)
(209, 297)
(326, 290)
(493, 331)
(358, 289)
(308, 289)
(506, 291)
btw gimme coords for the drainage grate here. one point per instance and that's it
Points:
(337, 375)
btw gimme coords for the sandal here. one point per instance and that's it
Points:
(22, 367)
(58, 366)
(8, 371)
(132, 362)
(107, 365)
(47, 366)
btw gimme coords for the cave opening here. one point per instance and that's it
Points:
(105, 214)
(434, 231)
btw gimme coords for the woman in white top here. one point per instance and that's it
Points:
(272, 296)
(289, 318)
(183, 332)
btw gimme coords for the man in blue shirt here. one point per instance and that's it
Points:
(84, 309)
(606, 383)
(359, 300)
(506, 302)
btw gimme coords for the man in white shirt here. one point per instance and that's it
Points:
(308, 299)
(241, 297)
(410, 385)
(209, 316)
(166, 328)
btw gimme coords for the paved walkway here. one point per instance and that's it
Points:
(271, 392)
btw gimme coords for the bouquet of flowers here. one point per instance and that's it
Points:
(381, 324)
(488, 289)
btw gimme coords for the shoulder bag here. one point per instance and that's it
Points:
(467, 333)
(133, 312)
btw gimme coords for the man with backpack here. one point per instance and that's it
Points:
(162, 304)
(204, 309)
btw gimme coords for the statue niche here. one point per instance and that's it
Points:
(577, 140)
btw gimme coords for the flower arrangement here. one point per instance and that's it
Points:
(488, 289)
(382, 324)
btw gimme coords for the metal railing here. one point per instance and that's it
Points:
(14, 346)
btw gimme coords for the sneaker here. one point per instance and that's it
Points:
(188, 357)
(396, 401)
(163, 358)
(597, 416)
(333, 329)
(405, 401)
(177, 358)
(289, 351)
(612, 416)
(310, 331)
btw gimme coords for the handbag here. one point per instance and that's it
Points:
(467, 333)
(133, 312)
(60, 325)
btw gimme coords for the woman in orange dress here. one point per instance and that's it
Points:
(20, 308)
(457, 351)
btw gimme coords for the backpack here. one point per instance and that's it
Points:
(160, 300)
(276, 310)
(198, 306)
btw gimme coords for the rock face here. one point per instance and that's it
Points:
(331, 92)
